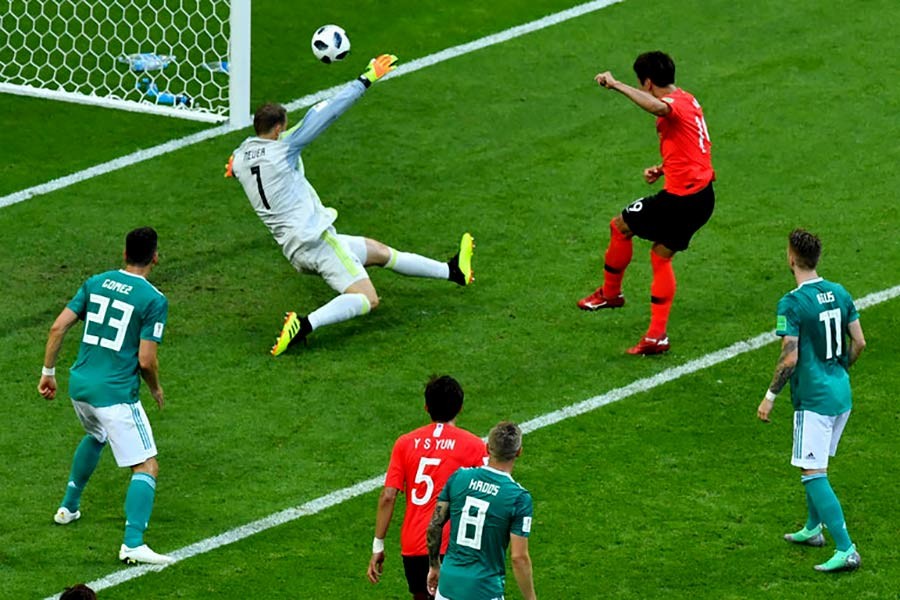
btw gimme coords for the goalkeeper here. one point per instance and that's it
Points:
(269, 167)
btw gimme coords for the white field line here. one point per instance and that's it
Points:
(300, 103)
(363, 487)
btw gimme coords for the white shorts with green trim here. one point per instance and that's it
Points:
(816, 438)
(339, 259)
(124, 426)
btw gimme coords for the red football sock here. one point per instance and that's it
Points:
(617, 257)
(662, 291)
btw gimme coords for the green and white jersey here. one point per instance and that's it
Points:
(119, 309)
(818, 312)
(486, 505)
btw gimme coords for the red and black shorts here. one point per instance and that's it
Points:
(416, 569)
(669, 219)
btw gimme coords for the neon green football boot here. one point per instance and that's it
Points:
(848, 560)
(461, 263)
(288, 335)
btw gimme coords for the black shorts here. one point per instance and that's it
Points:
(669, 219)
(416, 569)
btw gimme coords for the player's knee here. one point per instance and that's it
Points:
(618, 225)
(377, 253)
(149, 466)
(373, 300)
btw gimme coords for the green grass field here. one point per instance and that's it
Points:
(678, 492)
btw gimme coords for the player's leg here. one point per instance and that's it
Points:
(458, 269)
(416, 570)
(615, 260)
(337, 259)
(84, 462)
(132, 444)
(662, 292)
(814, 441)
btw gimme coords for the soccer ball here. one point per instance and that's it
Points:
(330, 44)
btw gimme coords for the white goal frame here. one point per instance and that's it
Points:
(238, 112)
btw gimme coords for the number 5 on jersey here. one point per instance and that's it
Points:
(421, 477)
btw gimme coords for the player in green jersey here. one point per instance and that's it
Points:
(488, 511)
(124, 317)
(814, 322)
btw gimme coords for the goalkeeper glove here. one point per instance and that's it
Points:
(378, 68)
(229, 168)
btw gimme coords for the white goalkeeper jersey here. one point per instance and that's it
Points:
(272, 174)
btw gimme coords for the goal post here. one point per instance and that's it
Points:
(179, 58)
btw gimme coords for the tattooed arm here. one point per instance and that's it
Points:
(434, 538)
(783, 371)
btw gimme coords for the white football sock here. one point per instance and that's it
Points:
(416, 265)
(340, 308)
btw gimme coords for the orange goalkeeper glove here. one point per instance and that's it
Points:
(378, 68)
(229, 168)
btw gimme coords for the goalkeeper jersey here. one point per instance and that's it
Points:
(818, 312)
(272, 175)
(119, 309)
(486, 505)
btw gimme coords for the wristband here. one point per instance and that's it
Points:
(364, 80)
(770, 396)
(48, 371)
(377, 545)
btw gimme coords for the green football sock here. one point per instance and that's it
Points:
(138, 506)
(813, 519)
(85, 460)
(829, 509)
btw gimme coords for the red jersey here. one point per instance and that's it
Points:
(684, 145)
(421, 463)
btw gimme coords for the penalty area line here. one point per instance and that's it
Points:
(364, 487)
(300, 103)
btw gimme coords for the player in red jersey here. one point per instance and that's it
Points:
(421, 463)
(671, 217)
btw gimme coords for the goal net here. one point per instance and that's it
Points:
(182, 58)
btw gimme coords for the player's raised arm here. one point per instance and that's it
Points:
(326, 112)
(645, 100)
(65, 320)
(521, 562)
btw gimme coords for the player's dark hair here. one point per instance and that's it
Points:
(140, 246)
(268, 116)
(78, 592)
(806, 247)
(656, 66)
(443, 398)
(504, 441)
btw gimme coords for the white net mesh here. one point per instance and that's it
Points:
(155, 53)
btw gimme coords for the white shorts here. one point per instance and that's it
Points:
(816, 438)
(125, 426)
(339, 259)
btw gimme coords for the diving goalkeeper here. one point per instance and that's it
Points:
(269, 167)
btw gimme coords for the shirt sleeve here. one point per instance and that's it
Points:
(78, 304)
(786, 322)
(522, 515)
(852, 313)
(319, 117)
(155, 321)
(395, 477)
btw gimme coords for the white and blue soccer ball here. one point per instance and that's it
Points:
(330, 44)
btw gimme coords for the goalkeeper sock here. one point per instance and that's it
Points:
(415, 265)
(662, 292)
(85, 460)
(138, 506)
(616, 259)
(340, 308)
(829, 508)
